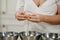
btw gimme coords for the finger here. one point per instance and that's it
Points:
(21, 15)
(28, 17)
(20, 18)
(32, 19)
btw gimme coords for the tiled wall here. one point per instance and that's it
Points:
(8, 20)
(0, 15)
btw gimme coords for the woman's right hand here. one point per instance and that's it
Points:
(21, 16)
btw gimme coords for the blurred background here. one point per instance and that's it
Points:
(8, 22)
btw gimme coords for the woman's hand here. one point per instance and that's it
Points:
(34, 18)
(21, 16)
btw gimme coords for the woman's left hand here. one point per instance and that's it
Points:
(35, 18)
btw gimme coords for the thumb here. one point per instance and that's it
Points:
(22, 13)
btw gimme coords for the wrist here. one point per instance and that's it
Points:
(42, 18)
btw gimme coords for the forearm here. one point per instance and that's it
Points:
(52, 19)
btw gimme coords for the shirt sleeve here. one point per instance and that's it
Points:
(58, 2)
(20, 5)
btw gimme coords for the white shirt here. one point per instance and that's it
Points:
(47, 8)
